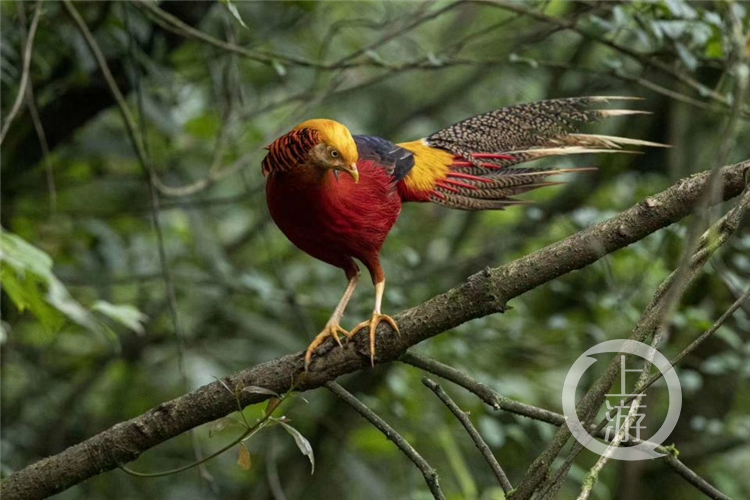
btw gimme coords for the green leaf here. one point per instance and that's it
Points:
(25, 275)
(302, 443)
(23, 256)
(233, 10)
(220, 425)
(26, 293)
(59, 297)
(714, 49)
(278, 67)
(205, 126)
(126, 315)
(515, 58)
(680, 8)
(687, 56)
(374, 56)
(28, 280)
(434, 60)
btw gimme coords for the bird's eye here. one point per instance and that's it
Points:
(334, 153)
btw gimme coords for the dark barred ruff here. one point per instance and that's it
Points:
(290, 149)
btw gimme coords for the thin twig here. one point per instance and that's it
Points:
(27, 52)
(691, 477)
(736, 215)
(215, 172)
(430, 475)
(413, 23)
(130, 124)
(672, 288)
(635, 402)
(214, 175)
(499, 402)
(653, 319)
(172, 23)
(141, 151)
(175, 25)
(739, 67)
(483, 391)
(644, 384)
(39, 128)
(250, 431)
(149, 175)
(703, 337)
(643, 59)
(44, 145)
(616, 74)
(462, 417)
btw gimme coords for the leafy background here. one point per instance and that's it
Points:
(91, 335)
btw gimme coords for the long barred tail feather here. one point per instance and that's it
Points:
(602, 141)
(484, 147)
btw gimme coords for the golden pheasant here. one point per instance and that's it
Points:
(336, 195)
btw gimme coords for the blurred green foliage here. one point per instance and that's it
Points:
(245, 295)
(29, 282)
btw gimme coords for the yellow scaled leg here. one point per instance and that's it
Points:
(333, 328)
(375, 320)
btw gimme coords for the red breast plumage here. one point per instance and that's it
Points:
(334, 219)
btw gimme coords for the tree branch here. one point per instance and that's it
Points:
(644, 59)
(484, 293)
(78, 104)
(667, 295)
(430, 475)
(463, 417)
(25, 70)
(500, 402)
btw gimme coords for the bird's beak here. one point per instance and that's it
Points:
(351, 170)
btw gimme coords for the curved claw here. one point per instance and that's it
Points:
(373, 323)
(331, 330)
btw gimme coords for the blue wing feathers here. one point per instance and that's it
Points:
(396, 160)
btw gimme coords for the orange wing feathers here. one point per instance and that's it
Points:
(431, 165)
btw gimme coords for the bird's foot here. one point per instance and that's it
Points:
(330, 330)
(372, 324)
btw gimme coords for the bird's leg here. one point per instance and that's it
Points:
(333, 328)
(375, 320)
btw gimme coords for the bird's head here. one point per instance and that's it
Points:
(336, 150)
(320, 144)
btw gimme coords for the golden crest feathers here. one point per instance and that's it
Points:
(334, 134)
